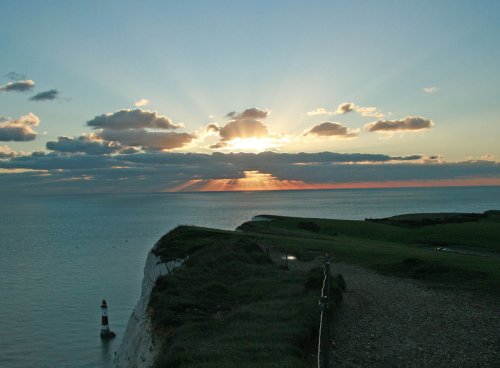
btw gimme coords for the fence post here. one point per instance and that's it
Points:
(324, 324)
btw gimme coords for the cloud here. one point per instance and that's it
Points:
(147, 139)
(15, 76)
(139, 128)
(243, 128)
(141, 102)
(347, 107)
(244, 125)
(159, 171)
(409, 123)
(329, 129)
(369, 111)
(46, 95)
(88, 144)
(20, 129)
(18, 86)
(132, 119)
(212, 128)
(319, 111)
(29, 119)
(253, 113)
(430, 90)
(6, 152)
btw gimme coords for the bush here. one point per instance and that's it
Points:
(309, 226)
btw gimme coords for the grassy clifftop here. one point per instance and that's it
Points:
(229, 305)
(458, 251)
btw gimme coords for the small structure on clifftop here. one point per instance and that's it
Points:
(105, 331)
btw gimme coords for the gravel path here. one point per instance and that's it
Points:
(392, 322)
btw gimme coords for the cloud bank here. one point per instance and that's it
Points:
(88, 144)
(87, 169)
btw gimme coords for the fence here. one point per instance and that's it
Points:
(324, 341)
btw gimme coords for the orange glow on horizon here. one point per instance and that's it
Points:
(257, 181)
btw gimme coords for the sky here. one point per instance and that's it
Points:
(149, 96)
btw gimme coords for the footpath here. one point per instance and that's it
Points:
(393, 322)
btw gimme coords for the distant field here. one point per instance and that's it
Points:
(448, 250)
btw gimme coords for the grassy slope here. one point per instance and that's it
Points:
(230, 306)
(399, 250)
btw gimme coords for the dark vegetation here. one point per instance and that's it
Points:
(230, 306)
(417, 220)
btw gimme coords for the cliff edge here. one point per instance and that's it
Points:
(138, 349)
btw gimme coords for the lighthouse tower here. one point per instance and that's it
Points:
(105, 331)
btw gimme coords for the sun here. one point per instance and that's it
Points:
(251, 144)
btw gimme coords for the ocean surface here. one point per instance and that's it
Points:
(61, 255)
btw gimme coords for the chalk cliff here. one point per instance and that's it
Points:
(138, 348)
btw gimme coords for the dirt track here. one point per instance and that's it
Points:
(392, 322)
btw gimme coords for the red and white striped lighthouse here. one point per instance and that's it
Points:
(105, 331)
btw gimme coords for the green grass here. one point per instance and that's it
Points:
(389, 247)
(229, 306)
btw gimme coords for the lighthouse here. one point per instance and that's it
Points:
(105, 332)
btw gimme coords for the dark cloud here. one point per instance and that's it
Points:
(57, 161)
(408, 123)
(346, 107)
(83, 144)
(253, 113)
(147, 139)
(46, 95)
(6, 152)
(156, 171)
(15, 76)
(129, 151)
(18, 86)
(218, 145)
(132, 119)
(20, 129)
(329, 129)
(139, 128)
(212, 128)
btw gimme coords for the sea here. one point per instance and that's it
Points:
(61, 255)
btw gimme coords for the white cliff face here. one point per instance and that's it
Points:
(138, 349)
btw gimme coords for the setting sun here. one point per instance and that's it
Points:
(251, 144)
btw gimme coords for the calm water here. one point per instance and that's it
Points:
(61, 255)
